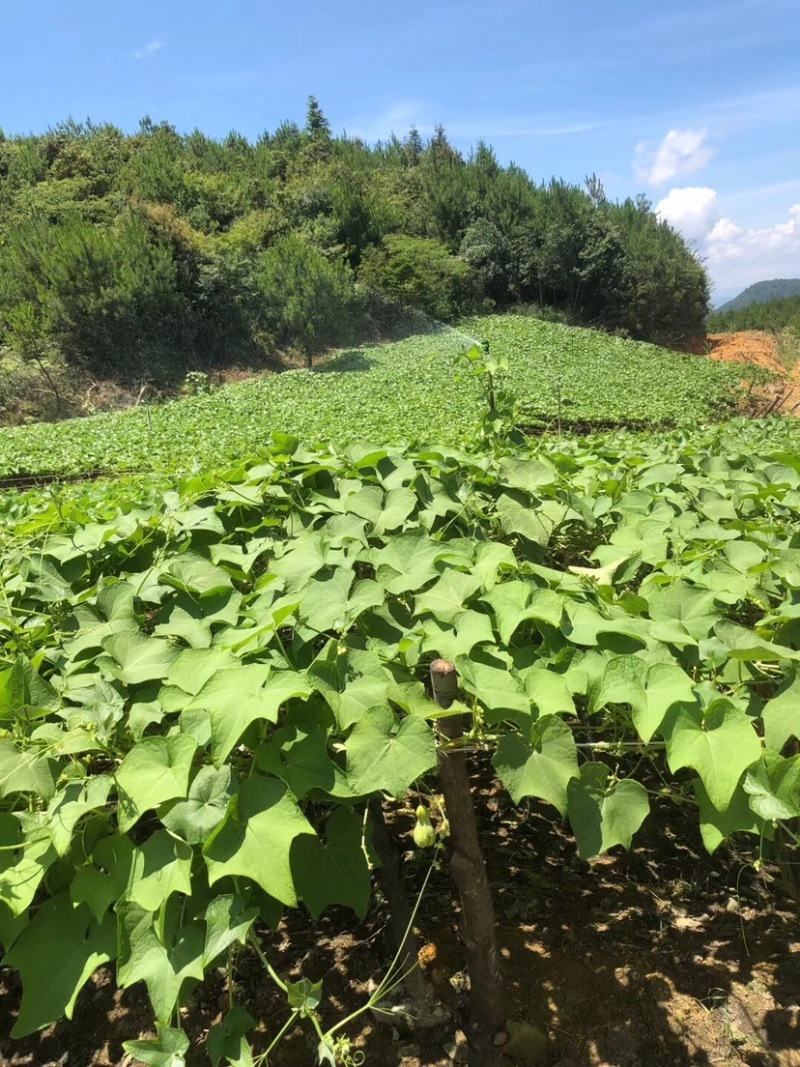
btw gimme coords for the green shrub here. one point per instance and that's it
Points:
(107, 297)
(306, 300)
(419, 272)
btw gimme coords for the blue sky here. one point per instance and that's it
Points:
(695, 102)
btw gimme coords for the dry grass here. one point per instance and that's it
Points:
(788, 344)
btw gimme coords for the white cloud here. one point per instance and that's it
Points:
(725, 231)
(736, 256)
(693, 210)
(149, 49)
(681, 152)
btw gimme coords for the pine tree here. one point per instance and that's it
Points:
(317, 126)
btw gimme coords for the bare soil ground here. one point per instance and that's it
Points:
(661, 957)
(761, 350)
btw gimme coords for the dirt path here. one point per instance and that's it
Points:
(761, 350)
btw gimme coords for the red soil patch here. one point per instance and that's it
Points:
(761, 350)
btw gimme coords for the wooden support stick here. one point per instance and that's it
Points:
(487, 1013)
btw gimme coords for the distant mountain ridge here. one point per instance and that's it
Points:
(761, 293)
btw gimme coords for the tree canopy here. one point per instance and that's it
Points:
(142, 254)
(779, 314)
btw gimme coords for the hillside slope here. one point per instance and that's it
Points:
(419, 389)
(761, 292)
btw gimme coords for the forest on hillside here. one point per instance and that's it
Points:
(138, 257)
(779, 314)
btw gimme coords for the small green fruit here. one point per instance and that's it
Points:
(424, 833)
(526, 1043)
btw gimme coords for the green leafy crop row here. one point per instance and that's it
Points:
(200, 693)
(415, 390)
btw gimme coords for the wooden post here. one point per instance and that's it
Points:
(487, 1012)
